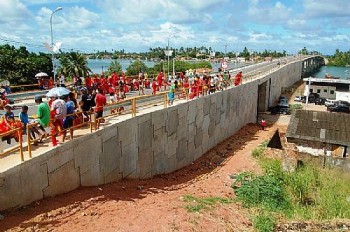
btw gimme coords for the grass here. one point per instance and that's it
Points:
(196, 204)
(309, 193)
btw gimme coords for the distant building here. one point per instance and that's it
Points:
(320, 133)
(335, 89)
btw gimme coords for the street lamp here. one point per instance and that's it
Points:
(52, 53)
(168, 52)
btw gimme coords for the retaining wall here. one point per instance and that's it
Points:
(141, 147)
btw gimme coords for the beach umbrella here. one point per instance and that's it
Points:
(58, 91)
(41, 74)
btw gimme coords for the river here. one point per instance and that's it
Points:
(100, 65)
(341, 72)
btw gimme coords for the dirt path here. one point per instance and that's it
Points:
(156, 204)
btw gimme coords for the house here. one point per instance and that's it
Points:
(335, 89)
(320, 133)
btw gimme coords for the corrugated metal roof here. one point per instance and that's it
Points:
(320, 126)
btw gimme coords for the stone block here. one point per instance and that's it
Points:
(182, 129)
(94, 176)
(145, 135)
(171, 164)
(158, 119)
(172, 122)
(181, 150)
(67, 174)
(160, 163)
(86, 154)
(191, 131)
(159, 140)
(145, 164)
(192, 112)
(206, 122)
(143, 118)
(206, 105)
(218, 99)
(129, 160)
(171, 145)
(110, 157)
(109, 132)
(199, 117)
(198, 137)
(127, 131)
(200, 103)
(182, 110)
(10, 190)
(114, 175)
(217, 116)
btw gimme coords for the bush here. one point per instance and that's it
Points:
(264, 222)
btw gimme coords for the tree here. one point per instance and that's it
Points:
(136, 67)
(114, 67)
(19, 66)
(73, 64)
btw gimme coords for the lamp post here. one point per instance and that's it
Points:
(52, 53)
(168, 52)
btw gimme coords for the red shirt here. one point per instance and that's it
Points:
(100, 102)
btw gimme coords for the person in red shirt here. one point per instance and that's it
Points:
(160, 81)
(154, 86)
(147, 83)
(100, 101)
(88, 83)
(238, 78)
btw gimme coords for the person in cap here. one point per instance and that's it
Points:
(42, 114)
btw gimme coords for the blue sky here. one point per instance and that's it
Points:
(137, 25)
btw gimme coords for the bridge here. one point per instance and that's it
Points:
(156, 141)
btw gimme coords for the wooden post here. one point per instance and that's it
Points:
(28, 141)
(90, 119)
(133, 107)
(19, 131)
(95, 120)
(165, 100)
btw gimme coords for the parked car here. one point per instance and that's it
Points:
(320, 101)
(312, 98)
(280, 109)
(329, 102)
(298, 98)
(339, 108)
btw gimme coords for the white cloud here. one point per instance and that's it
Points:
(13, 11)
(326, 8)
(277, 13)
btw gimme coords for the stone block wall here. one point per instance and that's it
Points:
(141, 147)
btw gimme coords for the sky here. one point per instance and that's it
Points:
(138, 25)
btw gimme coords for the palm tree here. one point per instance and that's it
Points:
(114, 67)
(74, 64)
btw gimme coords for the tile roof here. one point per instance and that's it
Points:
(333, 128)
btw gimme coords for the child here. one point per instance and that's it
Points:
(23, 116)
(112, 101)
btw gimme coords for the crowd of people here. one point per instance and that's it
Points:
(60, 112)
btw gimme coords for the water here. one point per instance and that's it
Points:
(100, 65)
(342, 72)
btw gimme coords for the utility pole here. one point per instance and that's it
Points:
(226, 49)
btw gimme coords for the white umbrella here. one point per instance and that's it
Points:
(41, 74)
(58, 91)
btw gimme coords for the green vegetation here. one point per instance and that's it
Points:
(259, 151)
(293, 107)
(264, 222)
(341, 59)
(309, 193)
(114, 67)
(73, 64)
(19, 66)
(136, 67)
(196, 204)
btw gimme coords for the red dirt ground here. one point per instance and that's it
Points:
(156, 204)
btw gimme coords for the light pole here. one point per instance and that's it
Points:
(52, 53)
(168, 52)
